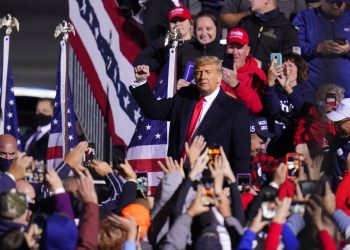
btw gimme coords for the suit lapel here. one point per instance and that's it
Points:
(186, 113)
(212, 114)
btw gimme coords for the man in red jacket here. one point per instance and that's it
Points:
(245, 80)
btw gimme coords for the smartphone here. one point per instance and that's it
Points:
(244, 182)
(276, 58)
(297, 208)
(36, 174)
(142, 184)
(213, 151)
(331, 100)
(89, 154)
(293, 164)
(312, 187)
(268, 205)
(118, 156)
(340, 40)
(228, 61)
(208, 183)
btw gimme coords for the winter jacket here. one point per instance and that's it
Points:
(313, 130)
(155, 55)
(193, 49)
(315, 27)
(251, 85)
(269, 33)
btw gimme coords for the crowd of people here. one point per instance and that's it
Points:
(259, 141)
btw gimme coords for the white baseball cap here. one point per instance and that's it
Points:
(342, 112)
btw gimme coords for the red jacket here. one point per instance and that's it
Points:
(273, 236)
(252, 81)
(312, 130)
(326, 240)
(342, 195)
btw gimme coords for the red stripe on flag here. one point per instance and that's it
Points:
(54, 152)
(146, 165)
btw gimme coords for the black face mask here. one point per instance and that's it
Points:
(5, 164)
(43, 120)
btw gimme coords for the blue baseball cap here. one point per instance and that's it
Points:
(259, 126)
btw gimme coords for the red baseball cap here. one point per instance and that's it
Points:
(181, 12)
(237, 35)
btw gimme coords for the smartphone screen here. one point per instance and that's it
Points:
(213, 151)
(142, 183)
(297, 208)
(228, 61)
(276, 58)
(208, 183)
(89, 154)
(243, 182)
(36, 174)
(293, 164)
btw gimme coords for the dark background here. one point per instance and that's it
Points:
(34, 50)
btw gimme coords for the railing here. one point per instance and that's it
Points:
(87, 111)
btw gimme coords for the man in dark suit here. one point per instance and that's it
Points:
(221, 119)
(36, 143)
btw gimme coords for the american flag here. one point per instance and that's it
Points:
(149, 143)
(63, 135)
(9, 120)
(105, 52)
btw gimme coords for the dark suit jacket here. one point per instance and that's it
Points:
(226, 122)
(39, 149)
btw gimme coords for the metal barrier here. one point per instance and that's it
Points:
(87, 111)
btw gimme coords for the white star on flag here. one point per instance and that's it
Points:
(9, 115)
(55, 122)
(140, 137)
(157, 136)
(11, 102)
(148, 127)
(8, 127)
(69, 124)
(70, 137)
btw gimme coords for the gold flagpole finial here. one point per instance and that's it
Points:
(65, 28)
(9, 21)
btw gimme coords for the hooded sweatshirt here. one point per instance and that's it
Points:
(251, 85)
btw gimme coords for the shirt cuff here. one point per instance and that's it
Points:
(59, 190)
(129, 245)
(11, 176)
(137, 84)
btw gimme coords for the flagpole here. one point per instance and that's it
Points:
(9, 22)
(5, 62)
(64, 28)
(63, 68)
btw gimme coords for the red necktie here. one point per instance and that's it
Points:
(193, 122)
(194, 119)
